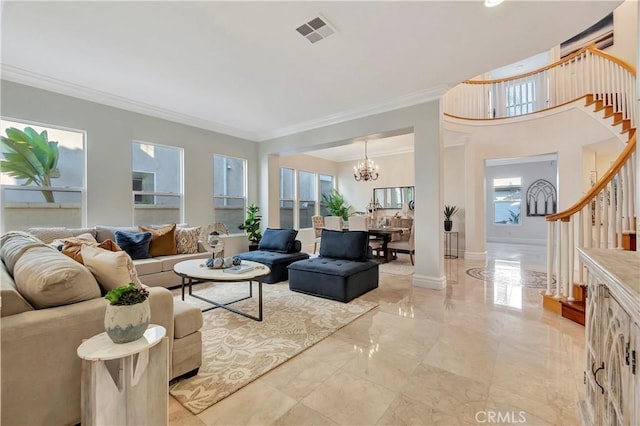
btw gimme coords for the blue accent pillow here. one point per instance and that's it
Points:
(136, 244)
(349, 245)
(280, 240)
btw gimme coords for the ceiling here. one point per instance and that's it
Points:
(241, 68)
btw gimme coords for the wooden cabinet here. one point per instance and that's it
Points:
(612, 384)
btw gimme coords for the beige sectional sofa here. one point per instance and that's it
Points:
(154, 271)
(40, 333)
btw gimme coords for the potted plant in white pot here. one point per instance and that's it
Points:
(128, 313)
(449, 211)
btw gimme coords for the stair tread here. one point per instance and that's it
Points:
(577, 305)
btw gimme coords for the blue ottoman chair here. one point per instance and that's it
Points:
(277, 249)
(342, 272)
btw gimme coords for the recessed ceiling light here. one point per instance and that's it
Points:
(491, 3)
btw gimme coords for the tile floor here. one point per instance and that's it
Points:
(426, 357)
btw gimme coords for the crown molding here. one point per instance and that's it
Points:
(21, 76)
(400, 102)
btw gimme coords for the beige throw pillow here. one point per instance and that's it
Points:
(112, 269)
(47, 278)
(187, 240)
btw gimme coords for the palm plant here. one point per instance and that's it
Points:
(30, 156)
(334, 202)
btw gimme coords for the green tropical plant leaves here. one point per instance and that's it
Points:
(449, 211)
(334, 202)
(252, 224)
(30, 156)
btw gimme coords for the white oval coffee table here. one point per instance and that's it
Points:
(196, 270)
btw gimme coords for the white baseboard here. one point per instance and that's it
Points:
(516, 240)
(434, 283)
(475, 255)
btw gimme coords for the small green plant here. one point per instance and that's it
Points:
(30, 156)
(334, 202)
(514, 218)
(252, 224)
(449, 211)
(127, 295)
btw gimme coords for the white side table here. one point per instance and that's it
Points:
(125, 384)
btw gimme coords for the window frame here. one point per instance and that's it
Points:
(299, 200)
(496, 201)
(82, 190)
(319, 191)
(281, 199)
(233, 230)
(180, 195)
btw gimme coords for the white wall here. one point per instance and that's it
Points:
(395, 170)
(455, 177)
(425, 121)
(309, 164)
(625, 32)
(531, 229)
(110, 132)
(563, 131)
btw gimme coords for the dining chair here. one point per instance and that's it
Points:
(361, 223)
(333, 223)
(318, 224)
(404, 245)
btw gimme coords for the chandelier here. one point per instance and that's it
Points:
(365, 170)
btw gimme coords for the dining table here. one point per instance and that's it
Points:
(386, 233)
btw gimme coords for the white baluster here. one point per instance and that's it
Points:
(589, 224)
(618, 195)
(605, 216)
(581, 216)
(597, 226)
(550, 246)
(559, 247)
(571, 260)
(566, 245)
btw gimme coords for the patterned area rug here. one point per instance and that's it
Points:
(511, 276)
(238, 350)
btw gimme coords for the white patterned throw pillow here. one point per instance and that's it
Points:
(187, 240)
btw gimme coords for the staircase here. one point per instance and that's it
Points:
(605, 217)
(610, 221)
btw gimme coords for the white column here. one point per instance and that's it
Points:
(474, 199)
(429, 232)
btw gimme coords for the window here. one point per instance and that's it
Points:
(287, 185)
(143, 181)
(326, 184)
(520, 99)
(506, 200)
(51, 193)
(156, 182)
(306, 199)
(229, 191)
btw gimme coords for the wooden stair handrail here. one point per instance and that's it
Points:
(600, 184)
(592, 48)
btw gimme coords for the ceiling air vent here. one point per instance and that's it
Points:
(315, 30)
